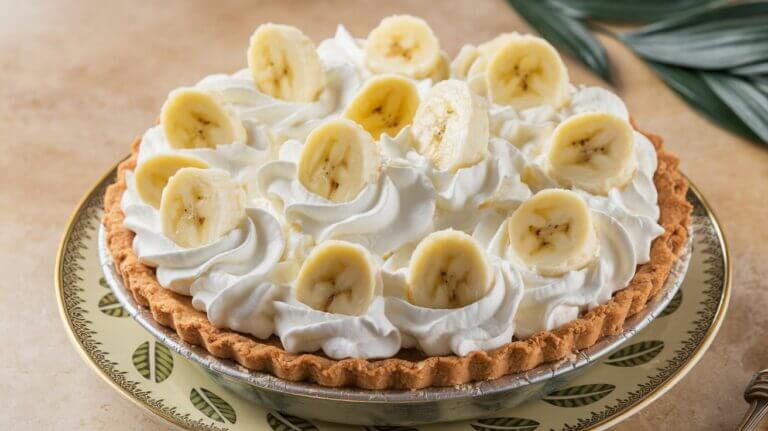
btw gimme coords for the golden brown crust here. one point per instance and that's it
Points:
(409, 369)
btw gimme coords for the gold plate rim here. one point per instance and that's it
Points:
(74, 340)
(657, 392)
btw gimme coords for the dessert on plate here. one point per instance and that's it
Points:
(371, 213)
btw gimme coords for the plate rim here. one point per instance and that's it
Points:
(652, 396)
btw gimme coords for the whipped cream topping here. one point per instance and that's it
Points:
(243, 280)
(393, 211)
(485, 324)
(225, 278)
(493, 183)
(551, 301)
(625, 219)
(303, 329)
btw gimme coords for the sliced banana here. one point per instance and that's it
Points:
(384, 105)
(526, 71)
(553, 233)
(284, 63)
(196, 119)
(152, 175)
(442, 70)
(463, 61)
(472, 61)
(338, 159)
(593, 151)
(451, 126)
(402, 44)
(337, 277)
(199, 206)
(448, 269)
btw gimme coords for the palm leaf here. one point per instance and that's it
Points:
(729, 37)
(744, 98)
(761, 83)
(567, 33)
(756, 71)
(629, 10)
(692, 88)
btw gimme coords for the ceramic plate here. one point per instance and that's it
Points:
(170, 386)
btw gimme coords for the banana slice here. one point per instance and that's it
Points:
(285, 64)
(337, 277)
(448, 269)
(442, 70)
(490, 48)
(451, 126)
(553, 233)
(153, 174)
(463, 61)
(195, 119)
(526, 71)
(338, 159)
(472, 61)
(593, 151)
(402, 44)
(384, 105)
(199, 206)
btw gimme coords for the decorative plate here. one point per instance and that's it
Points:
(170, 386)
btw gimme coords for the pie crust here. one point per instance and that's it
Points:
(409, 369)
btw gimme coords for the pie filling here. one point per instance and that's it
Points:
(421, 217)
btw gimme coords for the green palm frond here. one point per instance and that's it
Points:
(712, 53)
(628, 10)
(567, 33)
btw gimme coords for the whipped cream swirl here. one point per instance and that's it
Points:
(485, 324)
(371, 335)
(393, 211)
(551, 301)
(461, 196)
(625, 219)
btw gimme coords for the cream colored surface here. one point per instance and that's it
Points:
(80, 79)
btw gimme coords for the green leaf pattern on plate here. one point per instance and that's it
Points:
(109, 305)
(578, 396)
(636, 354)
(161, 362)
(674, 304)
(140, 360)
(212, 405)
(283, 422)
(505, 424)
(389, 428)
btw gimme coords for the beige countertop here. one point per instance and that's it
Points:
(79, 79)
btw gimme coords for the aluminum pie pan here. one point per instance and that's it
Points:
(392, 407)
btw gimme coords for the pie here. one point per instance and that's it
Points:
(371, 213)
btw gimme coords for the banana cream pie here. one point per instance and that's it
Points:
(371, 213)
